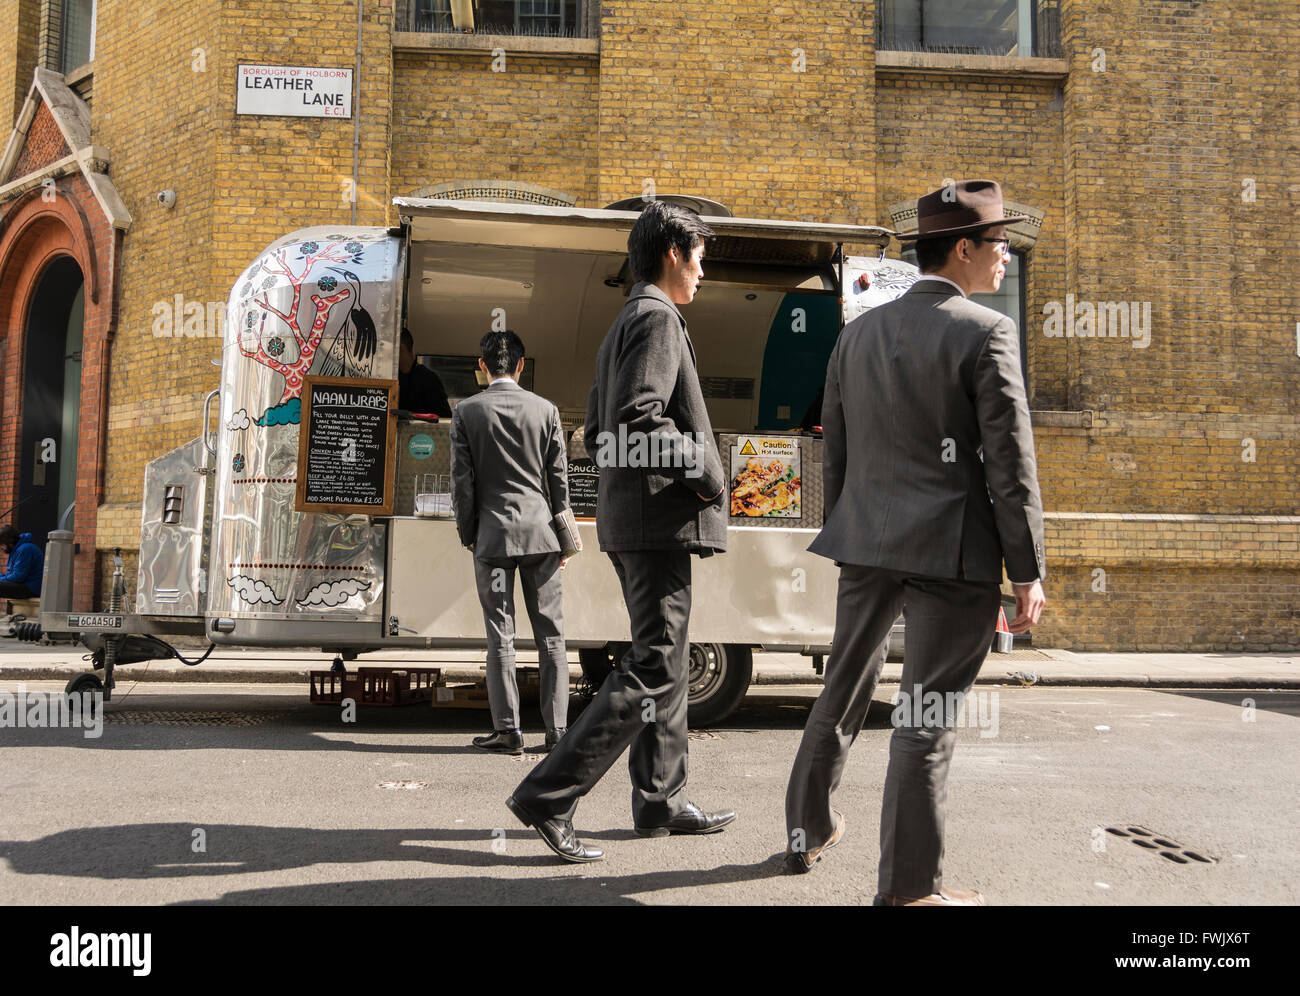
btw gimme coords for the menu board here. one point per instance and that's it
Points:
(584, 479)
(346, 446)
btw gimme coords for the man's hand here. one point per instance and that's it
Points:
(1029, 606)
(564, 561)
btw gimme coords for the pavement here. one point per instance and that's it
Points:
(1023, 666)
(246, 794)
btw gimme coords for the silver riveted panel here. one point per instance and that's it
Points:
(323, 302)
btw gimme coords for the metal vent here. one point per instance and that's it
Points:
(173, 500)
(737, 388)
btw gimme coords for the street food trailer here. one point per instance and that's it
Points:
(314, 513)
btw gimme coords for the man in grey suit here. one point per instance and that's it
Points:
(509, 476)
(660, 500)
(930, 484)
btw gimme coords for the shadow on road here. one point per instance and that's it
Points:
(163, 851)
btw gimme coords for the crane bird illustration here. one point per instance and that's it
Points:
(352, 350)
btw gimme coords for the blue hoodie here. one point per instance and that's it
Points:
(26, 565)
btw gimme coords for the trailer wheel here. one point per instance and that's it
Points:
(719, 676)
(80, 684)
(87, 682)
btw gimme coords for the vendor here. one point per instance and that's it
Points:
(22, 576)
(418, 388)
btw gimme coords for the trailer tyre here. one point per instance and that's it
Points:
(719, 676)
(79, 684)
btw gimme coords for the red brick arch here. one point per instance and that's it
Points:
(34, 232)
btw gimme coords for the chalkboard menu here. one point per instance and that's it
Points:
(346, 446)
(583, 481)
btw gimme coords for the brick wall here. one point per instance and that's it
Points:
(20, 29)
(534, 121)
(703, 96)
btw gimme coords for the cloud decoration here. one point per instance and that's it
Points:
(253, 591)
(332, 593)
(239, 420)
(289, 413)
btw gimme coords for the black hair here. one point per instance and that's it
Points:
(407, 338)
(501, 352)
(662, 226)
(932, 254)
(8, 535)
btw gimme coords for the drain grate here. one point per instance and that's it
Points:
(162, 717)
(1166, 847)
(701, 735)
(403, 786)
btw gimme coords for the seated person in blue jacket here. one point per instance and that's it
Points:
(22, 576)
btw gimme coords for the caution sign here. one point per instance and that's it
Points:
(766, 478)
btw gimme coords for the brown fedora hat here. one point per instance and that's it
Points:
(959, 208)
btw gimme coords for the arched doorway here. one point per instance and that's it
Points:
(47, 465)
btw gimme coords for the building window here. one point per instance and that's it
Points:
(970, 27)
(556, 18)
(76, 34)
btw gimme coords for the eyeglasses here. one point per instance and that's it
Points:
(1004, 245)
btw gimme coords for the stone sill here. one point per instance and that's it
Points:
(562, 48)
(82, 72)
(1062, 420)
(972, 65)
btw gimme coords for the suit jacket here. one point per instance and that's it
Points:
(508, 471)
(647, 388)
(916, 391)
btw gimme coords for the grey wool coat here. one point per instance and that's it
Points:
(509, 471)
(647, 389)
(928, 455)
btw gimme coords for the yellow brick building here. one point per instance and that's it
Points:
(1157, 140)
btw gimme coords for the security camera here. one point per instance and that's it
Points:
(167, 198)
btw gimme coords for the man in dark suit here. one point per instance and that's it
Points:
(930, 484)
(660, 500)
(509, 479)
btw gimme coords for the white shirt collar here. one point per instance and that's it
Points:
(503, 377)
(935, 276)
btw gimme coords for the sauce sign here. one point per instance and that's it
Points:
(294, 91)
(346, 446)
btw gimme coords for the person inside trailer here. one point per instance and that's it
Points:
(419, 389)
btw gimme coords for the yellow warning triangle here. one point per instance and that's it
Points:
(748, 449)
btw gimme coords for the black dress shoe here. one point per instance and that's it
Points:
(501, 742)
(552, 738)
(556, 834)
(689, 820)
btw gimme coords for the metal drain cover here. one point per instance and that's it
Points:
(1166, 847)
(163, 717)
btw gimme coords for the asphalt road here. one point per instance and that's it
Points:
(292, 805)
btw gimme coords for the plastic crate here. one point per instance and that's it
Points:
(377, 686)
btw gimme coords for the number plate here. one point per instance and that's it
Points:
(95, 622)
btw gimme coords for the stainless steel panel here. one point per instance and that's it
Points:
(766, 589)
(174, 525)
(322, 301)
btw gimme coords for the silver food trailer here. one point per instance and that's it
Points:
(230, 549)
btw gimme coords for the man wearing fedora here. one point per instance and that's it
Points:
(930, 486)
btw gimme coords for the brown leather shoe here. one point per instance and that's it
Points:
(944, 897)
(801, 862)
